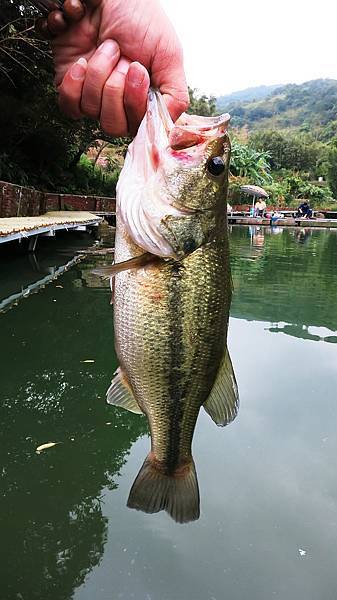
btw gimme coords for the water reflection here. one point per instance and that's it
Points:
(52, 527)
(292, 282)
(302, 234)
(268, 482)
(23, 273)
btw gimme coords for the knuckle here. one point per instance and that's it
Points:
(113, 128)
(96, 72)
(113, 88)
(90, 110)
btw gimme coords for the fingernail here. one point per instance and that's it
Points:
(136, 76)
(78, 70)
(109, 48)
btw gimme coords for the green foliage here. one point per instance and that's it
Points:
(289, 188)
(201, 105)
(309, 107)
(10, 171)
(294, 160)
(332, 169)
(250, 163)
(297, 152)
(89, 179)
(247, 95)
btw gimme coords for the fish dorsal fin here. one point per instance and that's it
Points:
(223, 402)
(120, 393)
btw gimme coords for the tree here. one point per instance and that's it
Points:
(250, 163)
(295, 152)
(332, 170)
(201, 105)
(38, 145)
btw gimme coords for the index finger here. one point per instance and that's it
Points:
(70, 90)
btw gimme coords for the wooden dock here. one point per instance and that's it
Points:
(18, 228)
(234, 219)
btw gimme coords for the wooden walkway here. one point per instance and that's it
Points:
(14, 228)
(281, 221)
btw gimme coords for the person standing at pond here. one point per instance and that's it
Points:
(106, 61)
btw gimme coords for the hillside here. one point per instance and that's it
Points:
(247, 95)
(308, 107)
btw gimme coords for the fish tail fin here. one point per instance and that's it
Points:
(178, 493)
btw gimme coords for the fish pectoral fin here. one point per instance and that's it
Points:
(133, 263)
(120, 394)
(178, 493)
(223, 402)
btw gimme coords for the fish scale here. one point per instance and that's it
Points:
(171, 309)
(144, 321)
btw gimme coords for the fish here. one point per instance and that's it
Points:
(172, 295)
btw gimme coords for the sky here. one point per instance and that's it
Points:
(229, 46)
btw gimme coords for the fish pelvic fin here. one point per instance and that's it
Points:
(133, 263)
(120, 393)
(178, 494)
(222, 404)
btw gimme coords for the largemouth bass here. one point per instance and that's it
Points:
(172, 294)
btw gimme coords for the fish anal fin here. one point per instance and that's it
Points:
(120, 393)
(133, 263)
(178, 494)
(223, 402)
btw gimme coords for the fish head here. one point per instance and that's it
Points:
(196, 164)
(174, 178)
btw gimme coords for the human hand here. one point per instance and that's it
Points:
(103, 62)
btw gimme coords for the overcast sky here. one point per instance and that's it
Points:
(232, 45)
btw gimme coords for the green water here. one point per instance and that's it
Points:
(268, 482)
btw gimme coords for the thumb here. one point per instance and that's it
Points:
(169, 77)
(177, 102)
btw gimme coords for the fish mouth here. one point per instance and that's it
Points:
(193, 130)
(189, 130)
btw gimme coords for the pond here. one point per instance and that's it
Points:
(268, 481)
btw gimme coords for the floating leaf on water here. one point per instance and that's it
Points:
(302, 552)
(108, 423)
(39, 449)
(89, 360)
(59, 286)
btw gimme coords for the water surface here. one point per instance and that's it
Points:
(268, 482)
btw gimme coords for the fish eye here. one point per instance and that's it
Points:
(216, 165)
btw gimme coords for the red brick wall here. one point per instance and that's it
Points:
(17, 201)
(246, 207)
